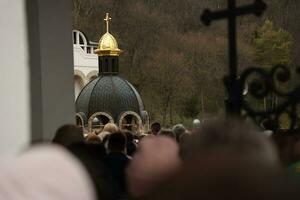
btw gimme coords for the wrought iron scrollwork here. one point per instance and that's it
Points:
(262, 83)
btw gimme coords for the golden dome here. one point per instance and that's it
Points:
(108, 45)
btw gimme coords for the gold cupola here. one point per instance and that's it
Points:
(108, 45)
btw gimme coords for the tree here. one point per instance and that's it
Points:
(272, 47)
(166, 79)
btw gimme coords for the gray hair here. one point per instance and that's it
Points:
(178, 130)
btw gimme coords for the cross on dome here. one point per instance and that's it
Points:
(107, 19)
(108, 45)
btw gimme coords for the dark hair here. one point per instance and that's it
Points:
(129, 135)
(155, 127)
(117, 142)
(167, 132)
(91, 156)
(130, 145)
(96, 150)
(68, 135)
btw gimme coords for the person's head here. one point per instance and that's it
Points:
(93, 139)
(178, 130)
(92, 158)
(220, 176)
(196, 123)
(110, 127)
(149, 168)
(231, 137)
(155, 128)
(46, 172)
(167, 132)
(117, 142)
(68, 134)
(97, 150)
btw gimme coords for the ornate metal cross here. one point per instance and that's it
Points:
(231, 81)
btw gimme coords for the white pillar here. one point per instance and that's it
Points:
(14, 78)
(36, 69)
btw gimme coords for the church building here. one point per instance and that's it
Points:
(102, 96)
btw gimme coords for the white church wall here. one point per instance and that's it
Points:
(14, 81)
(82, 59)
(85, 61)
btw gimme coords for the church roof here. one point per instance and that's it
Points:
(111, 94)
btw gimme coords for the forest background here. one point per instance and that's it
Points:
(177, 63)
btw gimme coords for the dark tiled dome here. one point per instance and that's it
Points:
(111, 94)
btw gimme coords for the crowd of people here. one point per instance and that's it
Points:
(219, 159)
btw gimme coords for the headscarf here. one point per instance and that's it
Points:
(45, 173)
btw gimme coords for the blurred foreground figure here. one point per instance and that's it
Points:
(156, 160)
(221, 177)
(232, 138)
(68, 135)
(226, 159)
(45, 173)
(92, 157)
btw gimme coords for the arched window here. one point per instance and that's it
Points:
(80, 40)
(130, 121)
(98, 120)
(92, 75)
(79, 121)
(79, 84)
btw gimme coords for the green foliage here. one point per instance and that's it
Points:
(272, 47)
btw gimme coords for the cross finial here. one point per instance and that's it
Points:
(106, 19)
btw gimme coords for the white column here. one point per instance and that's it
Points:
(14, 78)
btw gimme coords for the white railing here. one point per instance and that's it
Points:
(89, 49)
(80, 40)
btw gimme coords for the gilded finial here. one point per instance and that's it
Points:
(108, 45)
(106, 19)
